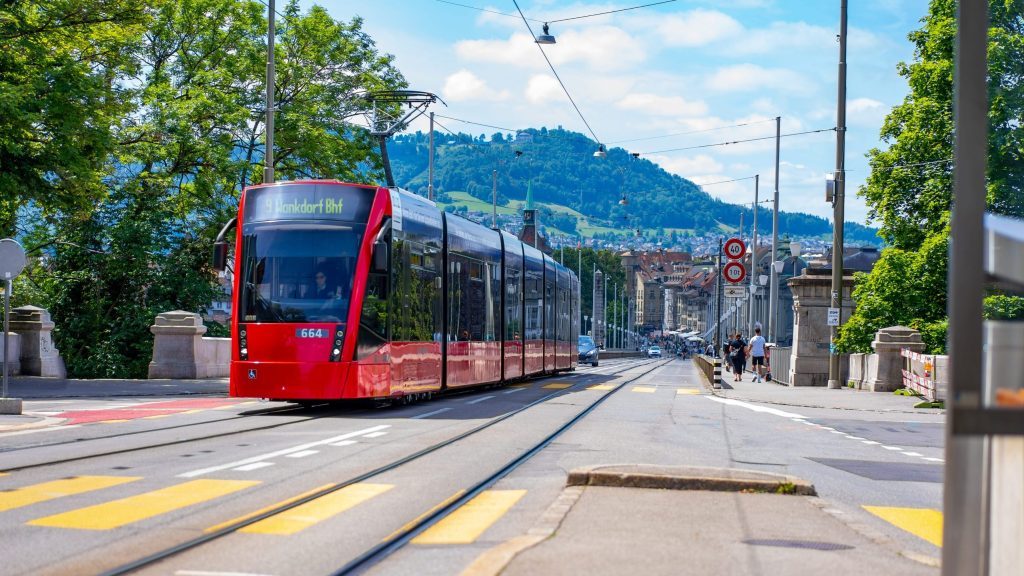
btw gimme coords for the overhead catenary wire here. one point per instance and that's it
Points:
(736, 142)
(611, 11)
(553, 71)
(476, 123)
(487, 10)
(740, 125)
(726, 181)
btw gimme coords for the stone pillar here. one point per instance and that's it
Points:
(39, 357)
(811, 298)
(888, 374)
(13, 348)
(177, 346)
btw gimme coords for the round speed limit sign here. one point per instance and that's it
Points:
(734, 272)
(734, 248)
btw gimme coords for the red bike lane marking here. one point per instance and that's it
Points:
(167, 408)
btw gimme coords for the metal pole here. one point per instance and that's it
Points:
(718, 302)
(838, 203)
(753, 261)
(268, 154)
(616, 298)
(494, 201)
(773, 297)
(430, 162)
(7, 329)
(965, 529)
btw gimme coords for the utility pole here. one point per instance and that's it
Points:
(494, 200)
(718, 302)
(838, 203)
(753, 262)
(773, 296)
(618, 321)
(268, 154)
(430, 162)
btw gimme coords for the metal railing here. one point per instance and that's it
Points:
(779, 358)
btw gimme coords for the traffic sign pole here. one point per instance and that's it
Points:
(12, 262)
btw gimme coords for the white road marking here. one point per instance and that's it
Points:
(892, 447)
(302, 454)
(427, 414)
(934, 459)
(374, 435)
(838, 432)
(253, 466)
(854, 437)
(753, 407)
(913, 454)
(344, 443)
(478, 400)
(34, 430)
(284, 452)
(870, 442)
(513, 391)
(827, 428)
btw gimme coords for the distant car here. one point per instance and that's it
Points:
(588, 350)
(654, 352)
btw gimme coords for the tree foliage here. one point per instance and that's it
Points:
(909, 191)
(186, 137)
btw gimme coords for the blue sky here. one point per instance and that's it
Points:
(678, 67)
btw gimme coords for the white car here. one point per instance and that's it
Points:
(654, 352)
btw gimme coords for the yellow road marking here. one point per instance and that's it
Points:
(57, 489)
(196, 411)
(687, 391)
(644, 389)
(921, 522)
(125, 511)
(154, 417)
(111, 421)
(467, 523)
(416, 520)
(323, 508)
(601, 387)
(519, 385)
(558, 386)
(267, 508)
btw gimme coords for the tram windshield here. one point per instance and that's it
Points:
(298, 272)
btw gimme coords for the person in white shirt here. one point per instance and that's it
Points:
(755, 349)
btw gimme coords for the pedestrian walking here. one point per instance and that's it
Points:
(737, 353)
(756, 350)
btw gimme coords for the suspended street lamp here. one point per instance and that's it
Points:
(600, 152)
(546, 37)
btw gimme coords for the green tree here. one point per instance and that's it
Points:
(909, 190)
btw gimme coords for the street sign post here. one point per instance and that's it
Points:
(734, 272)
(833, 316)
(12, 262)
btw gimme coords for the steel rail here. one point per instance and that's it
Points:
(249, 520)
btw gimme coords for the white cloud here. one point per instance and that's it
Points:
(600, 47)
(865, 111)
(751, 77)
(695, 28)
(543, 88)
(464, 85)
(663, 105)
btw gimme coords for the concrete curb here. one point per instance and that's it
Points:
(821, 407)
(689, 478)
(44, 422)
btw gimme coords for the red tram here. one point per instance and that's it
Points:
(347, 291)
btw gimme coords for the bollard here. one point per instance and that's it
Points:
(716, 374)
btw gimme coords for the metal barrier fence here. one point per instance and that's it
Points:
(925, 374)
(779, 358)
(711, 367)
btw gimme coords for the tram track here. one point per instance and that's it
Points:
(405, 534)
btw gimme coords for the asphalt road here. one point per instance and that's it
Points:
(123, 478)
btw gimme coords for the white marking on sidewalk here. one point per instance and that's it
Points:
(253, 466)
(478, 400)
(913, 454)
(302, 454)
(425, 415)
(374, 435)
(284, 452)
(344, 443)
(753, 407)
(513, 391)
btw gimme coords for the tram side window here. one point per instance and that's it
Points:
(415, 294)
(373, 320)
(533, 320)
(549, 310)
(513, 323)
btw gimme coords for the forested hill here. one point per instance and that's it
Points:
(562, 169)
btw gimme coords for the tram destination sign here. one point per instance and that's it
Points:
(308, 202)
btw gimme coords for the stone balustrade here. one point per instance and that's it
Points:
(181, 351)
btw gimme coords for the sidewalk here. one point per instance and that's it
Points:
(35, 388)
(817, 396)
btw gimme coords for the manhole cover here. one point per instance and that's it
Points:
(805, 544)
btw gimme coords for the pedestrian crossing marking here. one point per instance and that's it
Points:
(266, 509)
(687, 391)
(133, 509)
(301, 517)
(467, 523)
(57, 489)
(601, 387)
(921, 522)
(644, 389)
(557, 386)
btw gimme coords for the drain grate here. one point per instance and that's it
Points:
(804, 544)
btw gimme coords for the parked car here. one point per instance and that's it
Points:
(654, 352)
(588, 350)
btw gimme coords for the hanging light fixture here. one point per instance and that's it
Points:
(600, 152)
(624, 201)
(546, 37)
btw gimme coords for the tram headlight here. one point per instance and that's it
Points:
(243, 345)
(339, 338)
